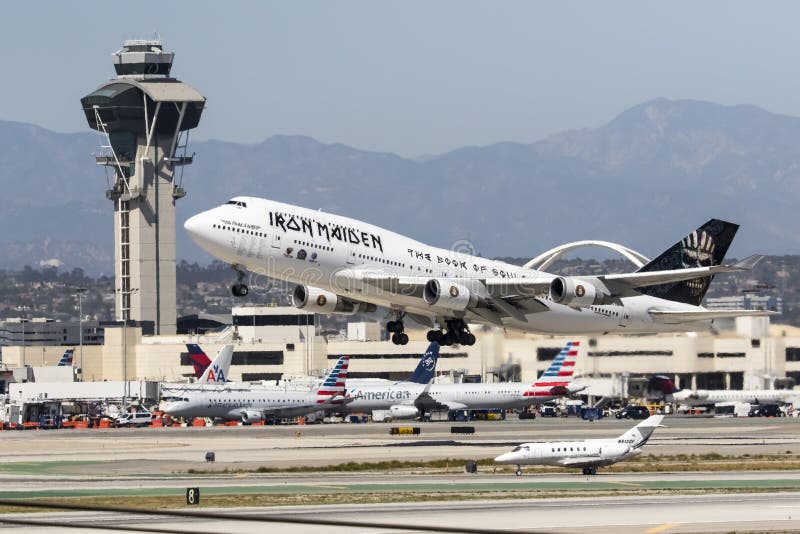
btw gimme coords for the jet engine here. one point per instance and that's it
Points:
(318, 300)
(578, 292)
(449, 294)
(403, 411)
(251, 416)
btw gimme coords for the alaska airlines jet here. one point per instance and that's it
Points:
(406, 400)
(587, 454)
(66, 358)
(345, 266)
(251, 405)
(701, 397)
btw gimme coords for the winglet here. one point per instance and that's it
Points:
(748, 263)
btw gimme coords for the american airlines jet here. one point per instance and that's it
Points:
(343, 265)
(408, 400)
(250, 405)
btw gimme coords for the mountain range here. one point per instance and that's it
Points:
(644, 179)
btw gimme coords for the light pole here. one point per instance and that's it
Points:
(125, 309)
(80, 291)
(24, 309)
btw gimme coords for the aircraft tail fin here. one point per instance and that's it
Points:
(704, 247)
(66, 358)
(663, 384)
(559, 375)
(334, 384)
(426, 369)
(637, 436)
(198, 358)
(218, 369)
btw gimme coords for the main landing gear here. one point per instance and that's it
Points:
(457, 332)
(239, 289)
(518, 472)
(397, 330)
(590, 470)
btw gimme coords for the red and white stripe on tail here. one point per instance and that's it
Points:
(334, 385)
(555, 380)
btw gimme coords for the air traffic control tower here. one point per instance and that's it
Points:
(144, 116)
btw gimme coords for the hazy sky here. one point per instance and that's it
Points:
(408, 77)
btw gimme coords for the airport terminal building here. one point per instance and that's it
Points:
(274, 343)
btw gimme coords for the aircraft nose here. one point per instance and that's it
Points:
(503, 458)
(193, 226)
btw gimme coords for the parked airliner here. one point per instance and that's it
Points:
(587, 454)
(406, 400)
(253, 404)
(343, 265)
(702, 397)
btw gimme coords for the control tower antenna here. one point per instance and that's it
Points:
(145, 116)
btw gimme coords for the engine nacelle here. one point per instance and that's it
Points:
(403, 411)
(577, 292)
(449, 294)
(319, 300)
(251, 416)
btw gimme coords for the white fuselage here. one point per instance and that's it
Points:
(318, 249)
(716, 396)
(590, 452)
(227, 402)
(485, 396)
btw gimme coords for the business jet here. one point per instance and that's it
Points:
(346, 266)
(252, 404)
(406, 400)
(587, 454)
(703, 397)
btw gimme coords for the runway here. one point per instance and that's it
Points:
(122, 465)
(630, 514)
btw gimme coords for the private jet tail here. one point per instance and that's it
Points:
(66, 358)
(637, 436)
(704, 247)
(426, 369)
(199, 360)
(334, 385)
(217, 371)
(558, 377)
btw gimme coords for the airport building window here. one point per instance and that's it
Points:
(273, 320)
(414, 356)
(544, 354)
(254, 377)
(705, 354)
(613, 353)
(257, 357)
(793, 354)
(731, 354)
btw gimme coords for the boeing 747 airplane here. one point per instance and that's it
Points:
(345, 266)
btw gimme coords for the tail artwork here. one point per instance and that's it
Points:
(558, 376)
(199, 359)
(426, 369)
(334, 385)
(704, 247)
(663, 384)
(219, 368)
(637, 436)
(66, 358)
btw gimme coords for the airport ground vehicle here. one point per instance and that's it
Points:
(632, 411)
(766, 410)
(134, 419)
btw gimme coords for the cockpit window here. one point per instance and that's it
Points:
(237, 203)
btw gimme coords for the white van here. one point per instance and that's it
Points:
(134, 419)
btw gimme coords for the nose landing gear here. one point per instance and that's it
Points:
(590, 470)
(239, 289)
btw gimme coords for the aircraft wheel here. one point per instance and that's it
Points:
(402, 338)
(469, 339)
(395, 339)
(434, 335)
(518, 472)
(391, 326)
(239, 290)
(448, 339)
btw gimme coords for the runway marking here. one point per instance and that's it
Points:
(661, 528)
(328, 487)
(624, 483)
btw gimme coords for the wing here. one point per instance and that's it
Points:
(678, 317)
(580, 461)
